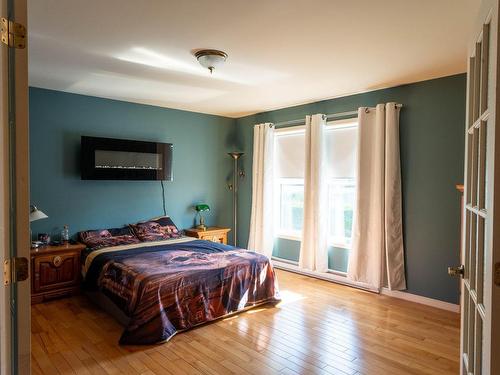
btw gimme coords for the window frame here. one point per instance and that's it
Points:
(332, 126)
(332, 240)
(279, 233)
(283, 233)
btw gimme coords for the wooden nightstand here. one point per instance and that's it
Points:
(55, 271)
(214, 234)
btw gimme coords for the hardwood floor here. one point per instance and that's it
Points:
(318, 328)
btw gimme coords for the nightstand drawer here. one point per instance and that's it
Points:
(55, 271)
(214, 234)
(214, 237)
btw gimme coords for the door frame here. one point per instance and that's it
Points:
(5, 347)
(15, 335)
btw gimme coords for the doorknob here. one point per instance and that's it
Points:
(457, 271)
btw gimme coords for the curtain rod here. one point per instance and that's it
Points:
(328, 117)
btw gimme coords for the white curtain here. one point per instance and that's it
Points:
(313, 248)
(377, 255)
(261, 223)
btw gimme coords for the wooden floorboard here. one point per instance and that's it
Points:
(318, 328)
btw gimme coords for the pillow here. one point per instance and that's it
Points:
(97, 239)
(158, 229)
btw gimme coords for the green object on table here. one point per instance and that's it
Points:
(202, 207)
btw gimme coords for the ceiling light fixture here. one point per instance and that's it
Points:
(210, 58)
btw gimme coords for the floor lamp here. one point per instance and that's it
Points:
(234, 187)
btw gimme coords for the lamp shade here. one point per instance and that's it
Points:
(202, 207)
(36, 214)
(210, 58)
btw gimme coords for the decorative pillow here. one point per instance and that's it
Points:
(161, 228)
(97, 239)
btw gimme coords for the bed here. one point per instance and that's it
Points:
(160, 288)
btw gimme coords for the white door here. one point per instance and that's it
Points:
(14, 192)
(480, 342)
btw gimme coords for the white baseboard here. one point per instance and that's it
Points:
(421, 299)
(327, 276)
(293, 267)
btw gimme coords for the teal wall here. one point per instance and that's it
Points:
(432, 152)
(200, 163)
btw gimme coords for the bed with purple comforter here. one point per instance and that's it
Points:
(170, 286)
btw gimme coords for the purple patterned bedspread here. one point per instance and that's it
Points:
(169, 288)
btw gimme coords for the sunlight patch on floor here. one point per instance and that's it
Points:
(233, 317)
(287, 296)
(254, 311)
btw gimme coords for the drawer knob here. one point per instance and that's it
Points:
(57, 261)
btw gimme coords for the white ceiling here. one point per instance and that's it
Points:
(281, 52)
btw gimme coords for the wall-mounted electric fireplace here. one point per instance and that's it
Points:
(122, 159)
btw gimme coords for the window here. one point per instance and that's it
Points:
(341, 191)
(341, 139)
(341, 198)
(289, 182)
(291, 192)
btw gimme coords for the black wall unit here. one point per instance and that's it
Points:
(122, 159)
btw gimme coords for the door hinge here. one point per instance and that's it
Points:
(15, 270)
(13, 34)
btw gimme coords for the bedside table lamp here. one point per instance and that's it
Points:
(35, 214)
(200, 208)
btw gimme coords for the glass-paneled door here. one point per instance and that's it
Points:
(480, 250)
